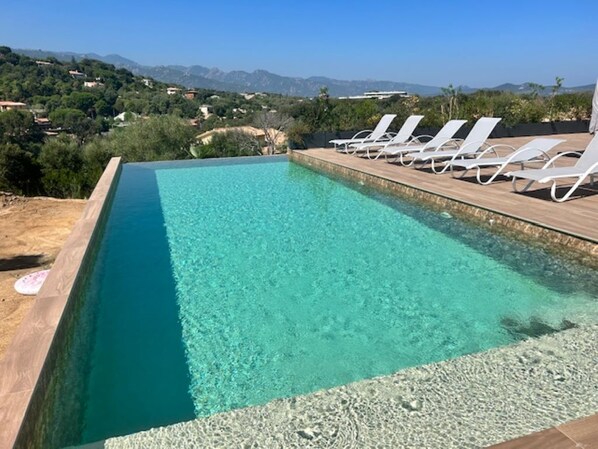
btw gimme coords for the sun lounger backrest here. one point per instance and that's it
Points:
(407, 129)
(535, 148)
(479, 134)
(382, 126)
(446, 133)
(590, 155)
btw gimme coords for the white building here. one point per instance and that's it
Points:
(206, 110)
(377, 95)
(173, 90)
(76, 74)
(9, 105)
(92, 84)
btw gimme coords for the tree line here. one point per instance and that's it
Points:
(69, 164)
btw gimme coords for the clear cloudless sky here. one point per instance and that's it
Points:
(480, 43)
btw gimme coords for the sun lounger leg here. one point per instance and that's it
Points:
(462, 172)
(403, 162)
(493, 177)
(444, 168)
(527, 186)
(569, 192)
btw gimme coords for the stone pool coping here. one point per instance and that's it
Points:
(470, 401)
(24, 370)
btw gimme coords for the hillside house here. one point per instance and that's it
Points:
(93, 84)
(257, 133)
(173, 90)
(206, 110)
(76, 74)
(191, 94)
(10, 105)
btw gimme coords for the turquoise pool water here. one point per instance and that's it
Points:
(220, 285)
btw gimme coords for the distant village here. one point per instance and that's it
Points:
(123, 119)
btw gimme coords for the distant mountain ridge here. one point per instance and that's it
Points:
(197, 76)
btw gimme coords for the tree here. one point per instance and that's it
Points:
(274, 125)
(452, 105)
(156, 138)
(61, 162)
(535, 88)
(66, 117)
(84, 129)
(19, 128)
(324, 93)
(96, 155)
(19, 171)
(102, 108)
(558, 84)
(83, 101)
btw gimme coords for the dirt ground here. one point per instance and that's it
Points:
(32, 231)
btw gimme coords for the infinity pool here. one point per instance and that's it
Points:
(225, 284)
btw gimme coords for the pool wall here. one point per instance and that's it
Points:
(557, 241)
(28, 371)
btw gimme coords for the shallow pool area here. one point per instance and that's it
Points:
(225, 284)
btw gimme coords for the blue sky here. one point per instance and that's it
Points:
(476, 43)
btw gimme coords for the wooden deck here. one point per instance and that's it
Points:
(577, 217)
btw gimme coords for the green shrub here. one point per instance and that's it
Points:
(63, 176)
(19, 171)
(156, 138)
(66, 117)
(296, 132)
(96, 155)
(18, 127)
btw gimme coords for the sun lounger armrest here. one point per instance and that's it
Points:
(443, 144)
(391, 144)
(566, 153)
(384, 137)
(492, 149)
(461, 150)
(369, 131)
(418, 138)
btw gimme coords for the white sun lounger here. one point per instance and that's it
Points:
(586, 166)
(533, 151)
(404, 136)
(378, 134)
(443, 136)
(468, 148)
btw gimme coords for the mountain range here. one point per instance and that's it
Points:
(197, 76)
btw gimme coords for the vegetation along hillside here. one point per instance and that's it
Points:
(60, 122)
